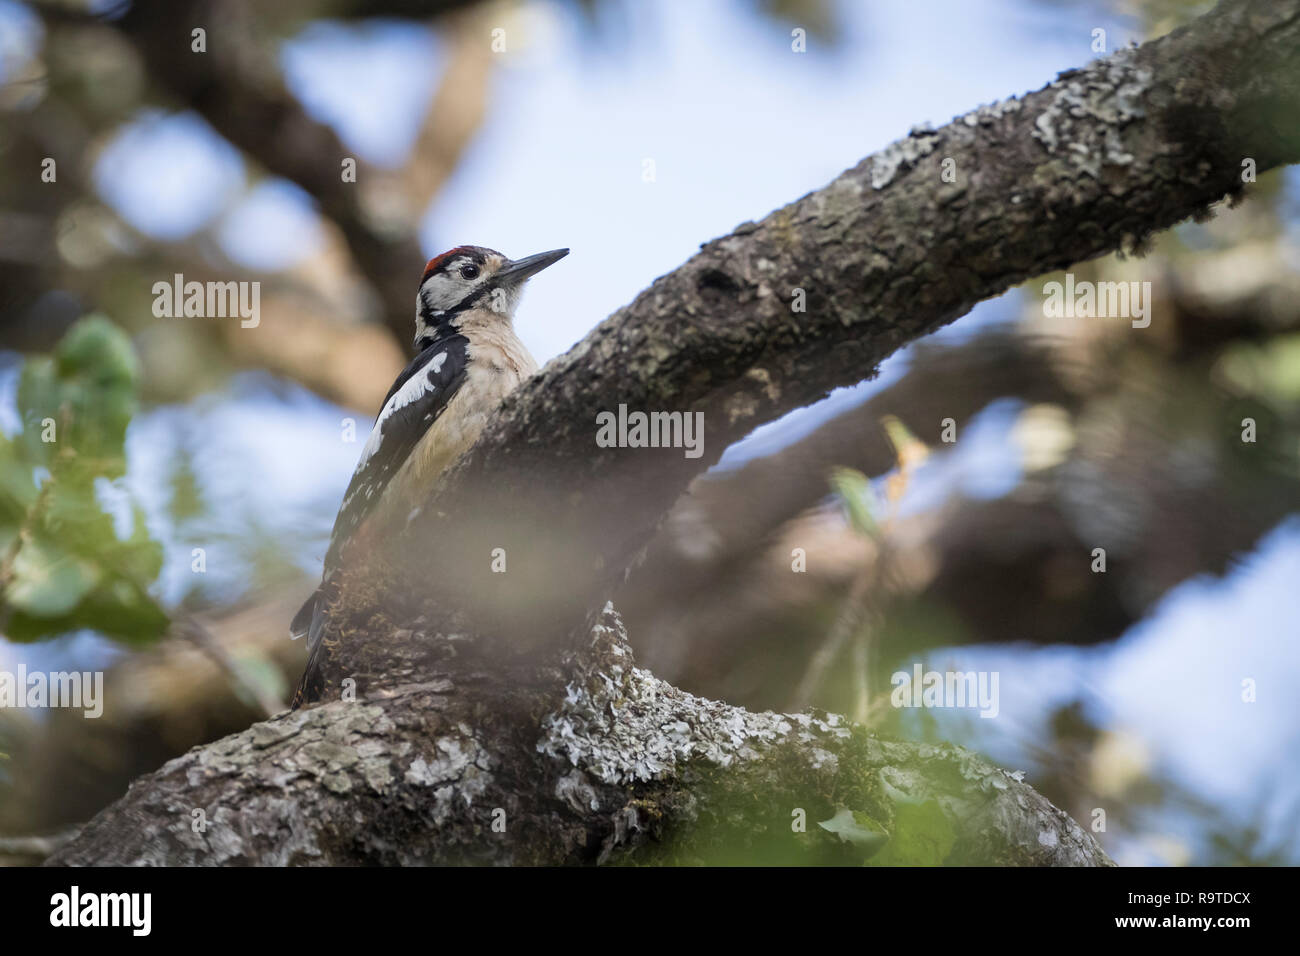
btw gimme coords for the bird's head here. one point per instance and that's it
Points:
(471, 278)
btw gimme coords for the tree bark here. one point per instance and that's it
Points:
(590, 761)
(502, 704)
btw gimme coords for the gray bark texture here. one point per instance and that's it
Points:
(590, 760)
(520, 709)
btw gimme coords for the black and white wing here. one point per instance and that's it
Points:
(420, 394)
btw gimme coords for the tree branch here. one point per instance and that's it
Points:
(596, 761)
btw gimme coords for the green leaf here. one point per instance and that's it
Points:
(75, 573)
(85, 392)
(923, 836)
(259, 672)
(17, 484)
(47, 581)
(858, 828)
(116, 609)
(859, 499)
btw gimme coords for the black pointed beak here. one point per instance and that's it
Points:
(521, 269)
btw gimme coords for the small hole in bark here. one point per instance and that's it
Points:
(719, 280)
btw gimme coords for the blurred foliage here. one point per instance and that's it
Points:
(867, 511)
(859, 500)
(65, 566)
(919, 835)
(818, 17)
(1269, 371)
(922, 836)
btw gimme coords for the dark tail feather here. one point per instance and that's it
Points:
(309, 622)
(300, 626)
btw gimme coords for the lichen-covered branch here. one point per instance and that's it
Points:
(592, 760)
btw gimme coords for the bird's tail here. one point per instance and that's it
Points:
(309, 622)
(300, 626)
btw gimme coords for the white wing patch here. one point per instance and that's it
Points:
(412, 390)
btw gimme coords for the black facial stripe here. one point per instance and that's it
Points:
(440, 320)
(471, 300)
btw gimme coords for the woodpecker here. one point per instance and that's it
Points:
(468, 359)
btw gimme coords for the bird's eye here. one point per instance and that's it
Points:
(469, 272)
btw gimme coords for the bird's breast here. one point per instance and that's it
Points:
(494, 370)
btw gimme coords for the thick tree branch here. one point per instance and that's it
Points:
(596, 761)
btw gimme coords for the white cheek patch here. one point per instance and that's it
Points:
(413, 389)
(444, 291)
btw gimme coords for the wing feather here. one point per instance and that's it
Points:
(420, 394)
(418, 397)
